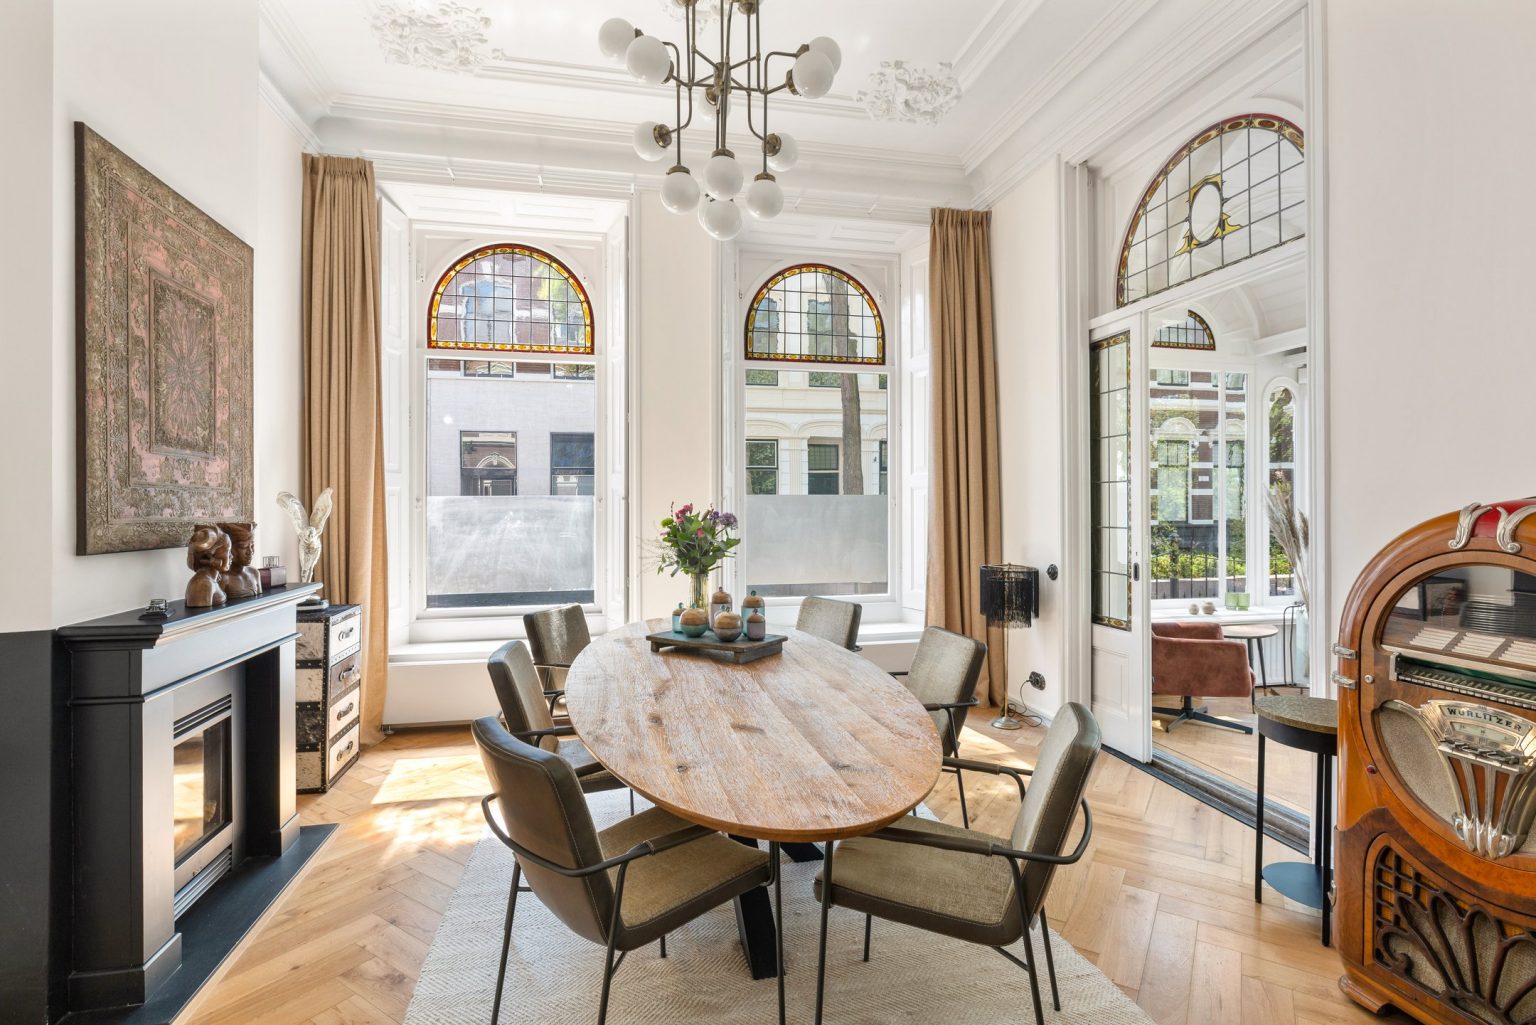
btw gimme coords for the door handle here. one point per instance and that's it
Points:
(1136, 571)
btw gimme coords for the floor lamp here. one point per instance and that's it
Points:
(1010, 597)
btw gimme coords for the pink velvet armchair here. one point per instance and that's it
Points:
(1190, 659)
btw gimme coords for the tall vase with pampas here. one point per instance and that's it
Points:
(1288, 526)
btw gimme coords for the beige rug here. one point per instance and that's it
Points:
(553, 976)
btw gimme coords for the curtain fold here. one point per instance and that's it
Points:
(965, 522)
(343, 416)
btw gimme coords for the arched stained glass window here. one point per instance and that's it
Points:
(1233, 191)
(812, 313)
(1190, 333)
(510, 298)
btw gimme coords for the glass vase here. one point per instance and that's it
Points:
(698, 594)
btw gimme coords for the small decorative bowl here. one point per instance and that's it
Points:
(693, 622)
(727, 626)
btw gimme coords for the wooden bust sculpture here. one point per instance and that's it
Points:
(208, 556)
(242, 580)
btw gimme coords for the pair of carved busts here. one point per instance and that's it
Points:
(220, 557)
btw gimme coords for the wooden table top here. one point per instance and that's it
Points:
(1244, 631)
(815, 744)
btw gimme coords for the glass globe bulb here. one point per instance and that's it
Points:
(788, 154)
(614, 38)
(645, 142)
(827, 46)
(813, 74)
(721, 220)
(648, 59)
(679, 192)
(764, 198)
(722, 176)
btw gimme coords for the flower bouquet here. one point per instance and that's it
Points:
(696, 543)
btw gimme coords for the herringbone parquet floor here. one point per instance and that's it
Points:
(1163, 903)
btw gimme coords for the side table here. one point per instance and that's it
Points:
(1310, 724)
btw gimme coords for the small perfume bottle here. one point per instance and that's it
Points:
(272, 574)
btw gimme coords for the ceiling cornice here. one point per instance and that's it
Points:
(992, 37)
(274, 18)
(273, 97)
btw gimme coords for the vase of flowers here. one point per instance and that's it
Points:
(696, 542)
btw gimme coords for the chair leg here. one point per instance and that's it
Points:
(826, 905)
(1050, 962)
(1034, 977)
(775, 857)
(613, 937)
(631, 802)
(663, 946)
(869, 921)
(506, 940)
(965, 816)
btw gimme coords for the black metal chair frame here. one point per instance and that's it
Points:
(620, 861)
(1187, 712)
(968, 845)
(956, 709)
(554, 695)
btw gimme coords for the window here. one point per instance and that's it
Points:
(1199, 508)
(511, 298)
(511, 458)
(571, 465)
(814, 519)
(1235, 190)
(821, 476)
(488, 463)
(762, 466)
(1190, 333)
(1280, 475)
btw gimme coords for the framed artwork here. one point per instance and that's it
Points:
(163, 373)
(1441, 596)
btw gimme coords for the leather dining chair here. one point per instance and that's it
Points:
(1190, 659)
(966, 884)
(831, 620)
(520, 694)
(943, 677)
(622, 887)
(555, 637)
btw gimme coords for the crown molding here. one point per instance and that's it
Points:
(1140, 94)
(275, 20)
(273, 97)
(992, 38)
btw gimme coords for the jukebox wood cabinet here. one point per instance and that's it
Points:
(1436, 863)
(328, 694)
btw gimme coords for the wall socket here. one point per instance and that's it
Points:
(1037, 681)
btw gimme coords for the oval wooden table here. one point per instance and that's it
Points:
(815, 744)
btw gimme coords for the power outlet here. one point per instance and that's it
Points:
(1037, 681)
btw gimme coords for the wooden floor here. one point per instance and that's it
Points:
(1288, 775)
(1163, 903)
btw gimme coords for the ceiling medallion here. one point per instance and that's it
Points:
(710, 85)
(709, 10)
(911, 93)
(445, 36)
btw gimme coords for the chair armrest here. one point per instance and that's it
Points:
(991, 768)
(534, 736)
(977, 845)
(640, 850)
(676, 838)
(551, 665)
(1187, 665)
(900, 672)
(1055, 859)
(946, 706)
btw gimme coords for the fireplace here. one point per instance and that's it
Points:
(203, 814)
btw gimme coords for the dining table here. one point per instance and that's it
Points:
(813, 745)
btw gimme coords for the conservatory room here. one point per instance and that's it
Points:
(638, 511)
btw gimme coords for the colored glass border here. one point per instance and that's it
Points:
(510, 249)
(1209, 345)
(878, 359)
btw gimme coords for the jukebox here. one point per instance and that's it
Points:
(1435, 908)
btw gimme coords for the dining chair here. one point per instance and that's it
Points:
(967, 884)
(831, 620)
(555, 637)
(943, 676)
(622, 887)
(523, 707)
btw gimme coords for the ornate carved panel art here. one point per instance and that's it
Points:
(163, 326)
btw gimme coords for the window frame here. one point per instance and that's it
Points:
(752, 467)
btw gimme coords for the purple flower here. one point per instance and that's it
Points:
(726, 520)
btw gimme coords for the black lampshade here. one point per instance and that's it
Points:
(1010, 595)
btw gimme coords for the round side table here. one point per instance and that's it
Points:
(1309, 724)
(1254, 635)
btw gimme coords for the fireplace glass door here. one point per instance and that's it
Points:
(201, 801)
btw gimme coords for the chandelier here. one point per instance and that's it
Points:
(721, 81)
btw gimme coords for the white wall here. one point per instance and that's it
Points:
(175, 87)
(1428, 354)
(1026, 289)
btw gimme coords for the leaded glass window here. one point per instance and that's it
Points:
(762, 466)
(1234, 190)
(817, 314)
(510, 298)
(822, 470)
(1190, 333)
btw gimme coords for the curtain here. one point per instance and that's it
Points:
(343, 433)
(965, 524)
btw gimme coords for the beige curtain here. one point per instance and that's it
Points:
(343, 436)
(965, 526)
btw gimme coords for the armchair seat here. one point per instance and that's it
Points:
(677, 885)
(953, 893)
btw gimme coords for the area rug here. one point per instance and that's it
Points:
(553, 976)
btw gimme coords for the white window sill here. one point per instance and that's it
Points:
(1263, 614)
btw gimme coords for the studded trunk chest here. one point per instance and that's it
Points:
(329, 695)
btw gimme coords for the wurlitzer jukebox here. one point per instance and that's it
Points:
(1435, 909)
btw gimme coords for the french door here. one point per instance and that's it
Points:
(1120, 645)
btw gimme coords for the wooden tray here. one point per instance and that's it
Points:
(739, 651)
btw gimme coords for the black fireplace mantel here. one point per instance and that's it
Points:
(126, 675)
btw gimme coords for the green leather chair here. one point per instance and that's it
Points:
(831, 620)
